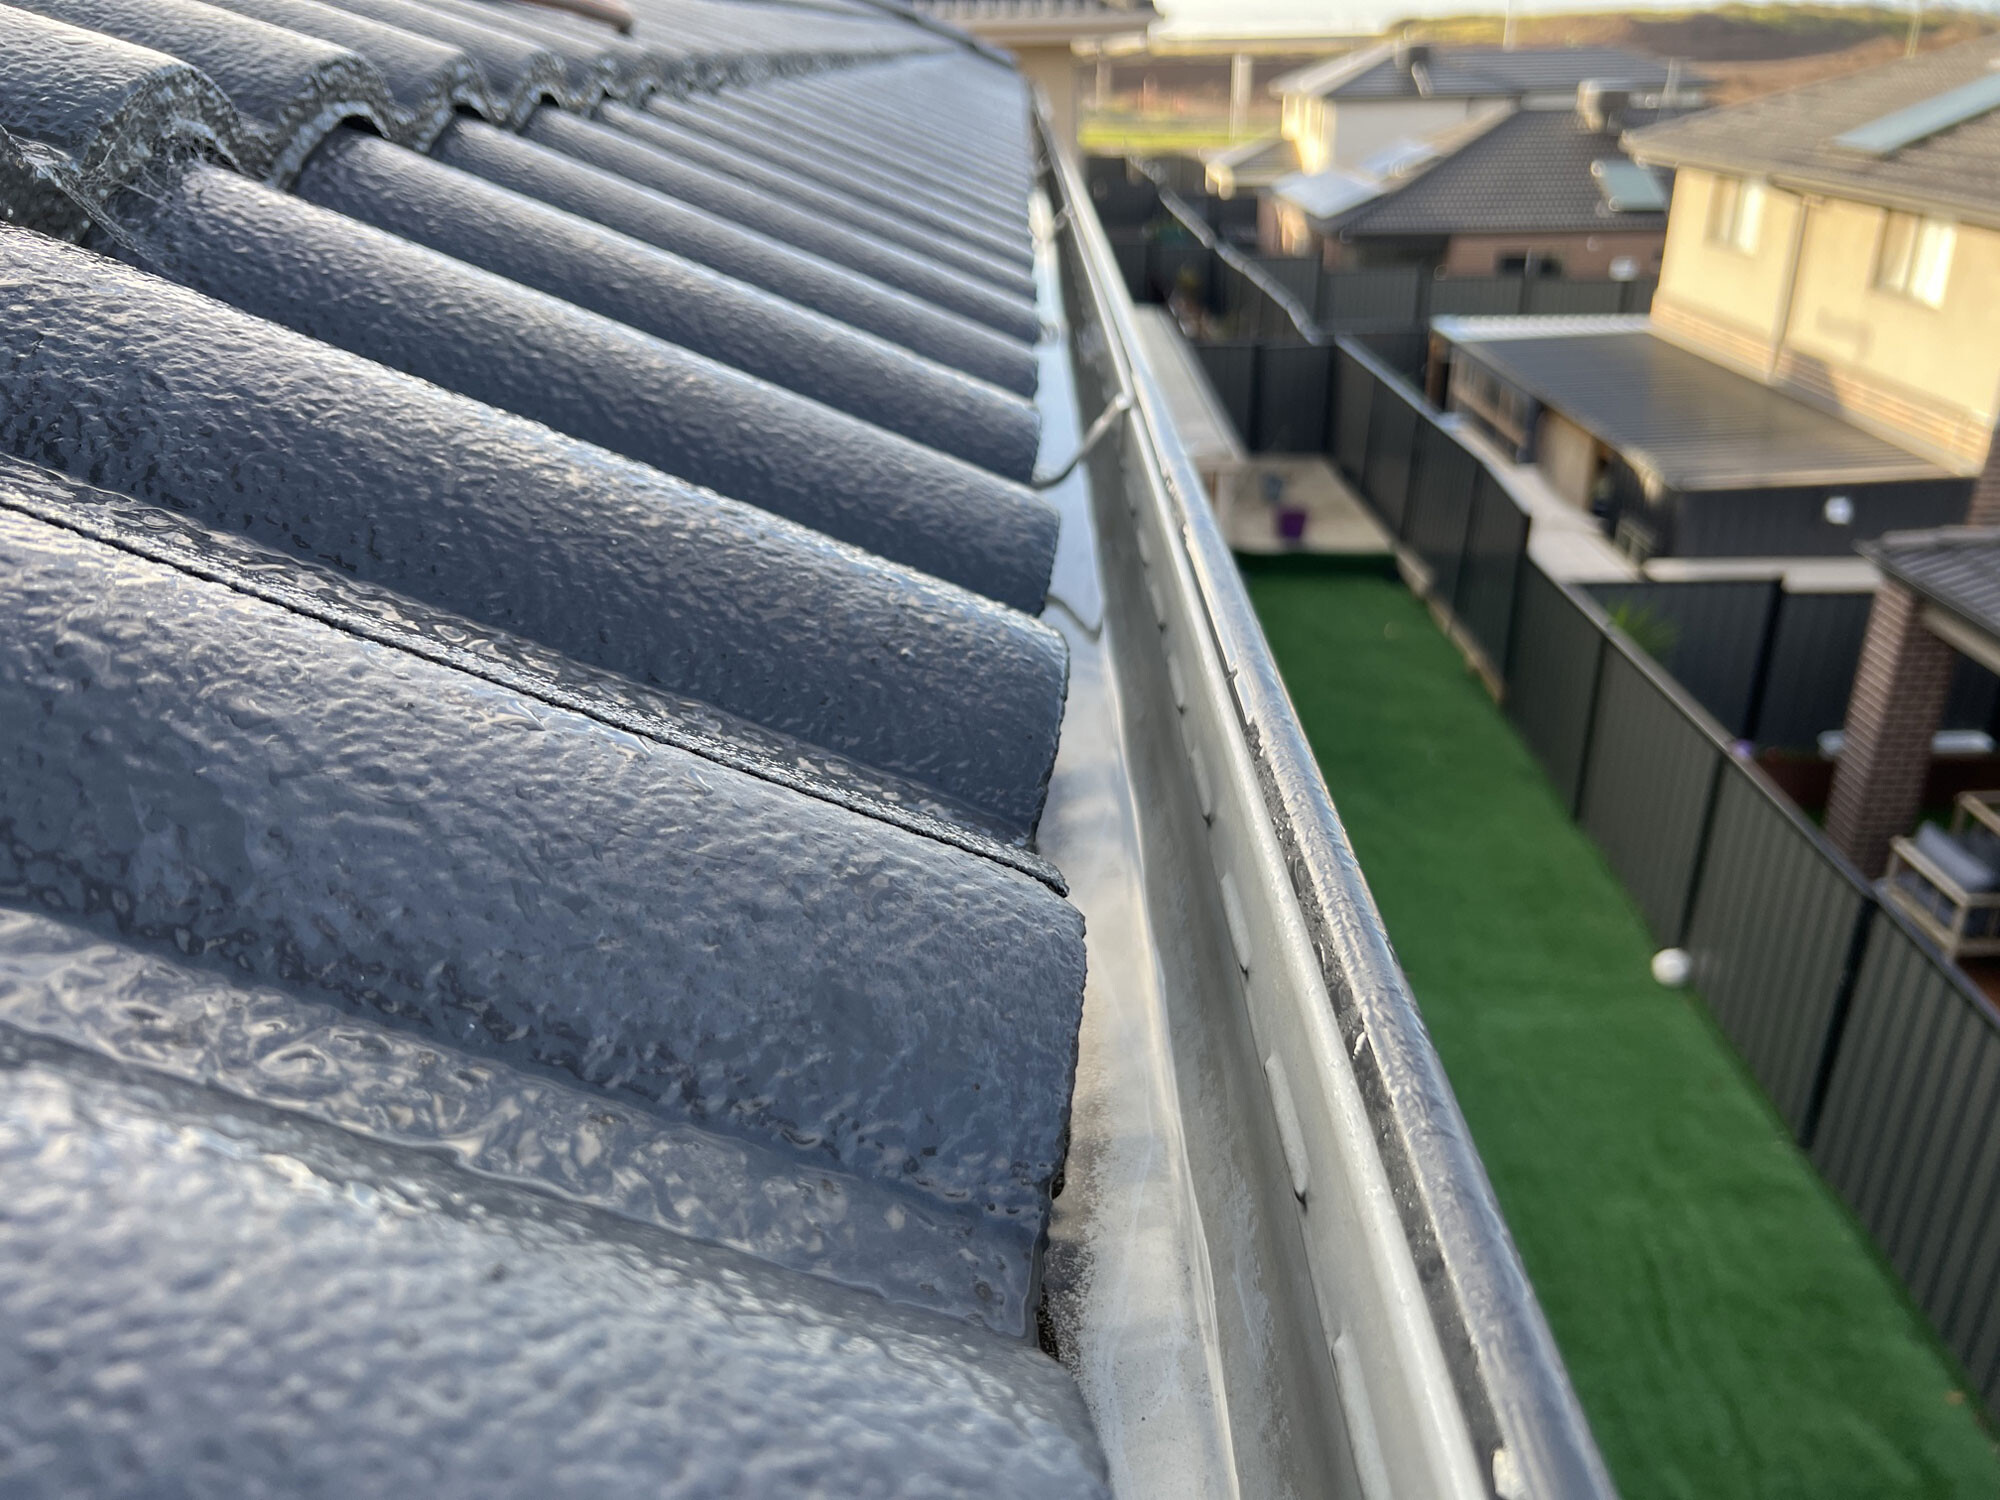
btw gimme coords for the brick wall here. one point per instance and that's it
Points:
(1897, 703)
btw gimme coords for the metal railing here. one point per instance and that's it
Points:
(1448, 1379)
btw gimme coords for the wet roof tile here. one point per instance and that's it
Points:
(529, 722)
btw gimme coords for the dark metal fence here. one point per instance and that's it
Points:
(1882, 1059)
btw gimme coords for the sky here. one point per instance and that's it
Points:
(1337, 16)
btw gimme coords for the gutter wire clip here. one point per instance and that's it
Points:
(1106, 420)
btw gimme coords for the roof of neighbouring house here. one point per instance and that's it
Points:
(523, 721)
(1693, 423)
(1954, 567)
(1420, 71)
(1921, 133)
(1013, 22)
(1538, 170)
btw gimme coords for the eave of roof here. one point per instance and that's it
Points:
(1955, 568)
(1789, 139)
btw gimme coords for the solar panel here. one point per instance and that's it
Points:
(1628, 188)
(1925, 118)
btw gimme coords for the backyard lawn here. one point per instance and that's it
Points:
(1729, 1329)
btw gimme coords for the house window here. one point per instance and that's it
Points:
(1914, 259)
(1735, 213)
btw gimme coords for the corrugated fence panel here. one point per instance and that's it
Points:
(1232, 369)
(1434, 524)
(1476, 296)
(1645, 792)
(1385, 477)
(1813, 655)
(1129, 246)
(1714, 636)
(1178, 263)
(1551, 677)
(1354, 390)
(1638, 295)
(1390, 294)
(1770, 933)
(1297, 274)
(1548, 295)
(1421, 475)
(1496, 542)
(1909, 1137)
(1291, 397)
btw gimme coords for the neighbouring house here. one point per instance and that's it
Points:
(1043, 36)
(1939, 600)
(1822, 361)
(1345, 110)
(1250, 166)
(1541, 191)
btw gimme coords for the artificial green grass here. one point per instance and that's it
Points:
(1729, 1328)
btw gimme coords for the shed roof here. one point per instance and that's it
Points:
(1794, 137)
(1685, 418)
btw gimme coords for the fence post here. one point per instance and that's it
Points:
(1836, 1023)
(1753, 711)
(1589, 726)
(1698, 866)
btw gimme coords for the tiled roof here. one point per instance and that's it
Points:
(1957, 567)
(1531, 171)
(1687, 419)
(1471, 72)
(1792, 137)
(522, 729)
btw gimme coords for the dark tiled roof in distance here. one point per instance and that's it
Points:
(1694, 423)
(1529, 172)
(1957, 567)
(523, 730)
(1474, 72)
(1790, 137)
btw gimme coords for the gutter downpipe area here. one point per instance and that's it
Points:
(1371, 1330)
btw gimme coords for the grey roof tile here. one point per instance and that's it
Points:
(554, 949)
(519, 72)
(279, 799)
(1529, 172)
(289, 89)
(87, 113)
(372, 1298)
(153, 391)
(756, 259)
(646, 150)
(428, 80)
(1791, 137)
(1957, 567)
(466, 329)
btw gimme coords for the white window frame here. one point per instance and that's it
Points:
(1736, 213)
(1913, 255)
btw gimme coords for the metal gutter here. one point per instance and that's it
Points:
(1430, 1370)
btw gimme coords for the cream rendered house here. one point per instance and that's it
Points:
(1842, 243)
(1822, 361)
